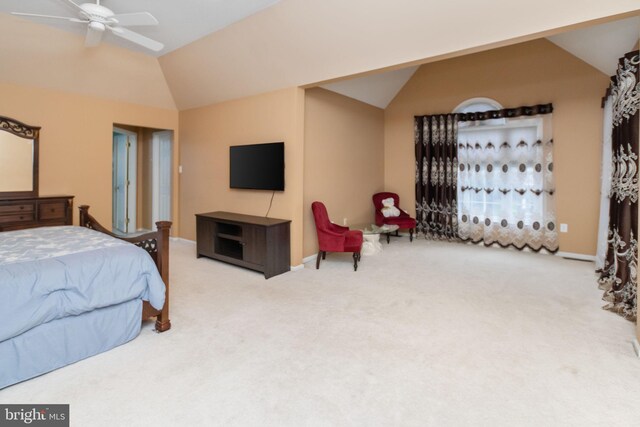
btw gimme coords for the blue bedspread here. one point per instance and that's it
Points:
(54, 272)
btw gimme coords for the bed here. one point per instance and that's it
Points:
(69, 292)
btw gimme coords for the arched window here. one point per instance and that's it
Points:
(476, 105)
(505, 178)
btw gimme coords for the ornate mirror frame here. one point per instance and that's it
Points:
(28, 132)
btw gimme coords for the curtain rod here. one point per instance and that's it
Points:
(526, 110)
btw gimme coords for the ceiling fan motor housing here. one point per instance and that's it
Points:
(97, 15)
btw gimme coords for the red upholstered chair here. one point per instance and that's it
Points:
(403, 221)
(333, 237)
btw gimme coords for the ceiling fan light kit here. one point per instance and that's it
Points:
(97, 26)
(99, 18)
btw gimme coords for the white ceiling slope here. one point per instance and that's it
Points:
(181, 22)
(302, 42)
(374, 89)
(601, 45)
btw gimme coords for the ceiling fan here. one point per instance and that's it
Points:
(100, 19)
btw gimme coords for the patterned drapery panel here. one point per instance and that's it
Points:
(506, 185)
(619, 275)
(436, 176)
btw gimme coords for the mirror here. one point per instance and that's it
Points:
(18, 159)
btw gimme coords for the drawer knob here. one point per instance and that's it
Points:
(21, 217)
(53, 210)
(21, 207)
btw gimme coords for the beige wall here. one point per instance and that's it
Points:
(207, 133)
(76, 141)
(16, 161)
(528, 73)
(343, 159)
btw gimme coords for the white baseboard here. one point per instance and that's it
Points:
(636, 347)
(581, 257)
(304, 261)
(309, 258)
(180, 239)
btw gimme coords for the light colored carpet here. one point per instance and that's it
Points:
(425, 333)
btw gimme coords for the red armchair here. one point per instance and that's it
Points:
(403, 221)
(333, 237)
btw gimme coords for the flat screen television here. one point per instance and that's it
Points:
(257, 166)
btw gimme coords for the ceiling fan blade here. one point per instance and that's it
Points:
(93, 37)
(134, 19)
(74, 4)
(35, 15)
(137, 38)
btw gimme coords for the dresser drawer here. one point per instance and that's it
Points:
(30, 212)
(53, 210)
(16, 208)
(17, 217)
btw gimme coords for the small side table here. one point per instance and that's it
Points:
(371, 237)
(386, 229)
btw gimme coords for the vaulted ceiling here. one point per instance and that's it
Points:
(599, 46)
(182, 22)
(226, 49)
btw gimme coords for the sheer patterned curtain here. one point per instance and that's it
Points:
(605, 186)
(506, 185)
(619, 276)
(436, 176)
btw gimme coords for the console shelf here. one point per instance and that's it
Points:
(257, 243)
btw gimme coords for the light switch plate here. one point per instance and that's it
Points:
(564, 228)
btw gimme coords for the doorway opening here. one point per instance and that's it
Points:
(142, 177)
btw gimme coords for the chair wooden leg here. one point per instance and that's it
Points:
(411, 234)
(318, 260)
(324, 254)
(388, 238)
(356, 257)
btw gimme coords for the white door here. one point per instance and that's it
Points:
(120, 182)
(161, 175)
(124, 180)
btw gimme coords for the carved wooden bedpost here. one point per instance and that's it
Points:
(84, 212)
(156, 244)
(162, 320)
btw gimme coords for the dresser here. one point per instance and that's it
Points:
(30, 212)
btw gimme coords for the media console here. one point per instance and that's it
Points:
(254, 242)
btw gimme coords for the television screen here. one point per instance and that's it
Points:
(257, 166)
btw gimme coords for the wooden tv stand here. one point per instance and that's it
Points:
(253, 242)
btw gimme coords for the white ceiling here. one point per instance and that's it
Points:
(598, 45)
(601, 45)
(307, 42)
(374, 89)
(181, 22)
